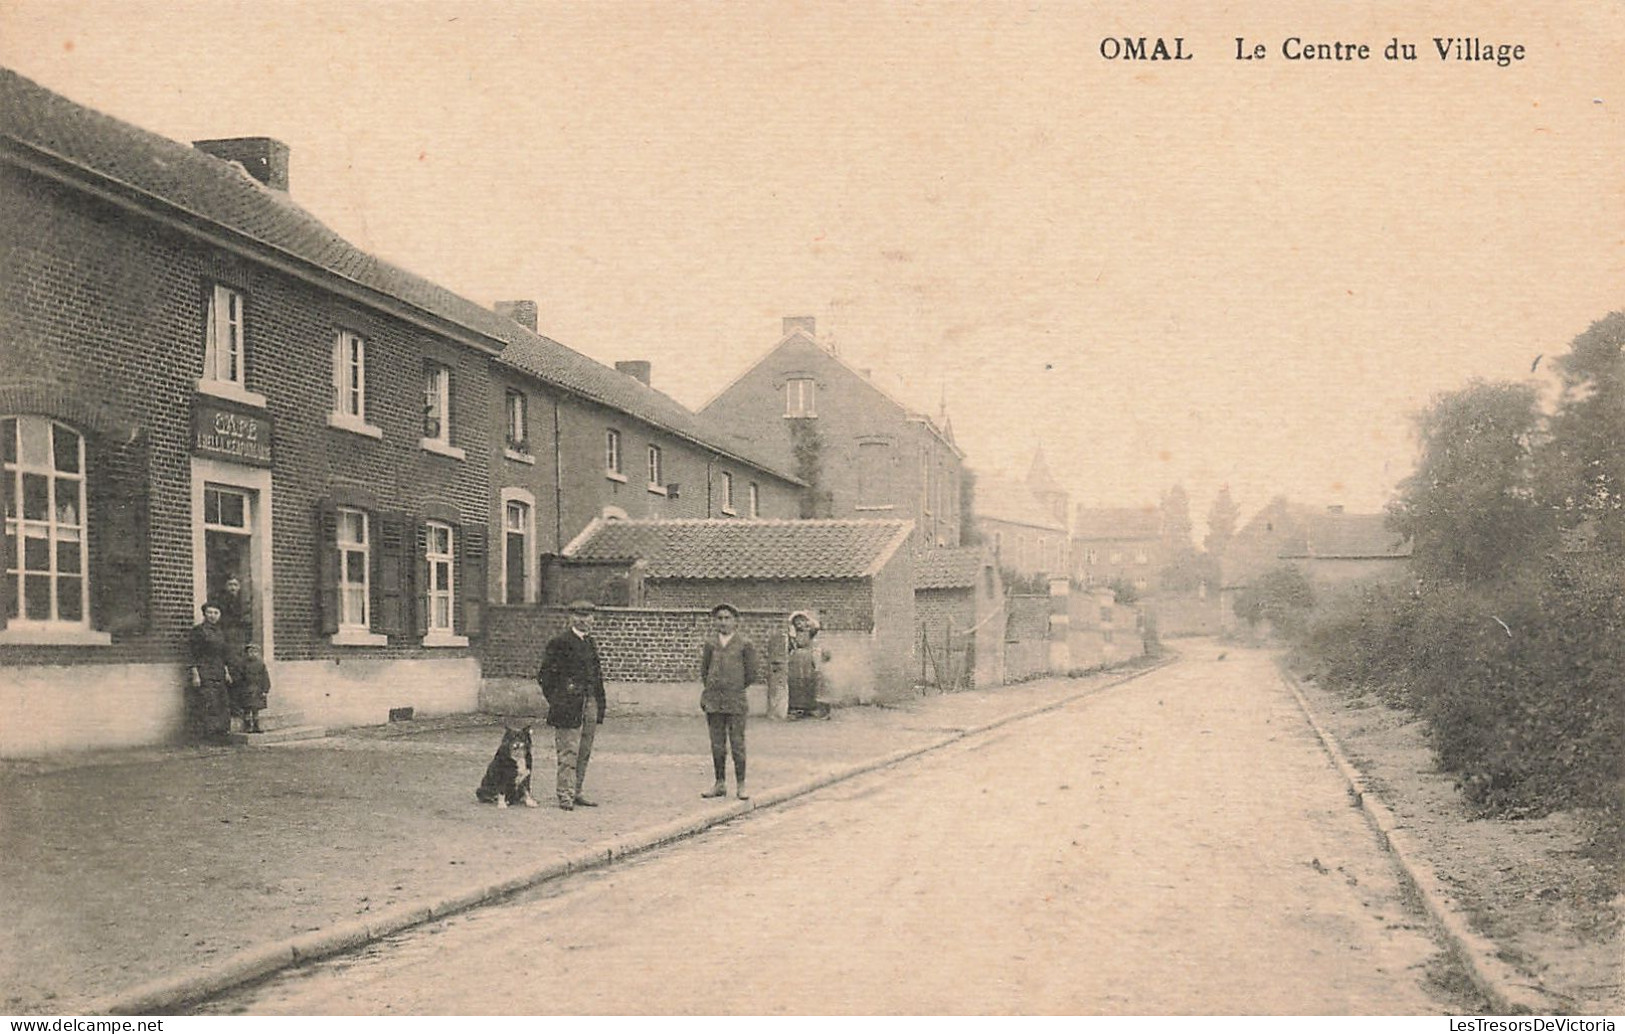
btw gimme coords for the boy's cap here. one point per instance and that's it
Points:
(582, 607)
(729, 607)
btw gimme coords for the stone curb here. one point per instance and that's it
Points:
(165, 994)
(1509, 992)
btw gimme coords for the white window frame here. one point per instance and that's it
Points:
(346, 588)
(754, 498)
(437, 396)
(656, 485)
(520, 497)
(613, 456)
(516, 426)
(56, 530)
(800, 397)
(350, 385)
(728, 494)
(436, 597)
(225, 349)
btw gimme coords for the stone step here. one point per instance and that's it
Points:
(287, 734)
(273, 720)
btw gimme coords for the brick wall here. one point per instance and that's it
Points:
(653, 644)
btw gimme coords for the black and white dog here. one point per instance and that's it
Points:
(507, 777)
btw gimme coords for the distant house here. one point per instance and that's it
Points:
(801, 407)
(1117, 543)
(856, 576)
(1343, 547)
(1029, 540)
(958, 605)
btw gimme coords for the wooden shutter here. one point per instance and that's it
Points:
(471, 586)
(327, 567)
(116, 498)
(419, 566)
(389, 574)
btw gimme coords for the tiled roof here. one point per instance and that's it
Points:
(729, 549)
(1351, 536)
(947, 568)
(1120, 522)
(1002, 498)
(200, 187)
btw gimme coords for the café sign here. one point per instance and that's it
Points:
(229, 434)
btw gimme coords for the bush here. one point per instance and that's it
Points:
(1522, 684)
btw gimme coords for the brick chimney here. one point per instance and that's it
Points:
(264, 159)
(795, 323)
(522, 312)
(637, 369)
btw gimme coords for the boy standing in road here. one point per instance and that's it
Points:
(728, 664)
(573, 683)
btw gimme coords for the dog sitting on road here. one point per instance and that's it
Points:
(507, 777)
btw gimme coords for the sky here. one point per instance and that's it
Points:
(1210, 272)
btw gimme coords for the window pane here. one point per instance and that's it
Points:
(10, 489)
(231, 510)
(442, 577)
(8, 440)
(355, 607)
(67, 506)
(516, 568)
(69, 599)
(11, 549)
(355, 567)
(442, 612)
(11, 596)
(211, 506)
(352, 528)
(66, 448)
(37, 597)
(68, 556)
(36, 550)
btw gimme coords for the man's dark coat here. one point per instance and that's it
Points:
(570, 671)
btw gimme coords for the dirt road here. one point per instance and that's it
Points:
(1174, 845)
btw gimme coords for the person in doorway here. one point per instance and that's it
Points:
(236, 620)
(210, 677)
(253, 688)
(572, 681)
(728, 664)
(803, 668)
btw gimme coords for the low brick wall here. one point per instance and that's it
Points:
(635, 644)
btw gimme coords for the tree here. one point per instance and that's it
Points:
(1470, 509)
(1583, 463)
(1182, 570)
(1283, 596)
(1222, 518)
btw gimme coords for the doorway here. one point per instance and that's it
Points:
(228, 542)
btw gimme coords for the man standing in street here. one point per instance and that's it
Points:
(573, 683)
(728, 663)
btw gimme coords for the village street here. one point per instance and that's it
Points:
(1174, 844)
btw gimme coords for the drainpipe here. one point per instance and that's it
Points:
(710, 462)
(558, 482)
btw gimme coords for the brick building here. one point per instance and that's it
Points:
(1111, 543)
(199, 379)
(875, 456)
(579, 441)
(1028, 538)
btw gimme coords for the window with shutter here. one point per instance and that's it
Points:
(470, 598)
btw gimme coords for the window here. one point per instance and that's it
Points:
(1140, 557)
(1091, 556)
(517, 423)
(874, 468)
(654, 467)
(354, 565)
(223, 347)
(350, 376)
(755, 498)
(799, 396)
(350, 385)
(440, 592)
(1117, 557)
(612, 454)
(46, 584)
(515, 549)
(727, 492)
(436, 404)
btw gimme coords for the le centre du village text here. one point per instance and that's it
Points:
(1465, 49)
